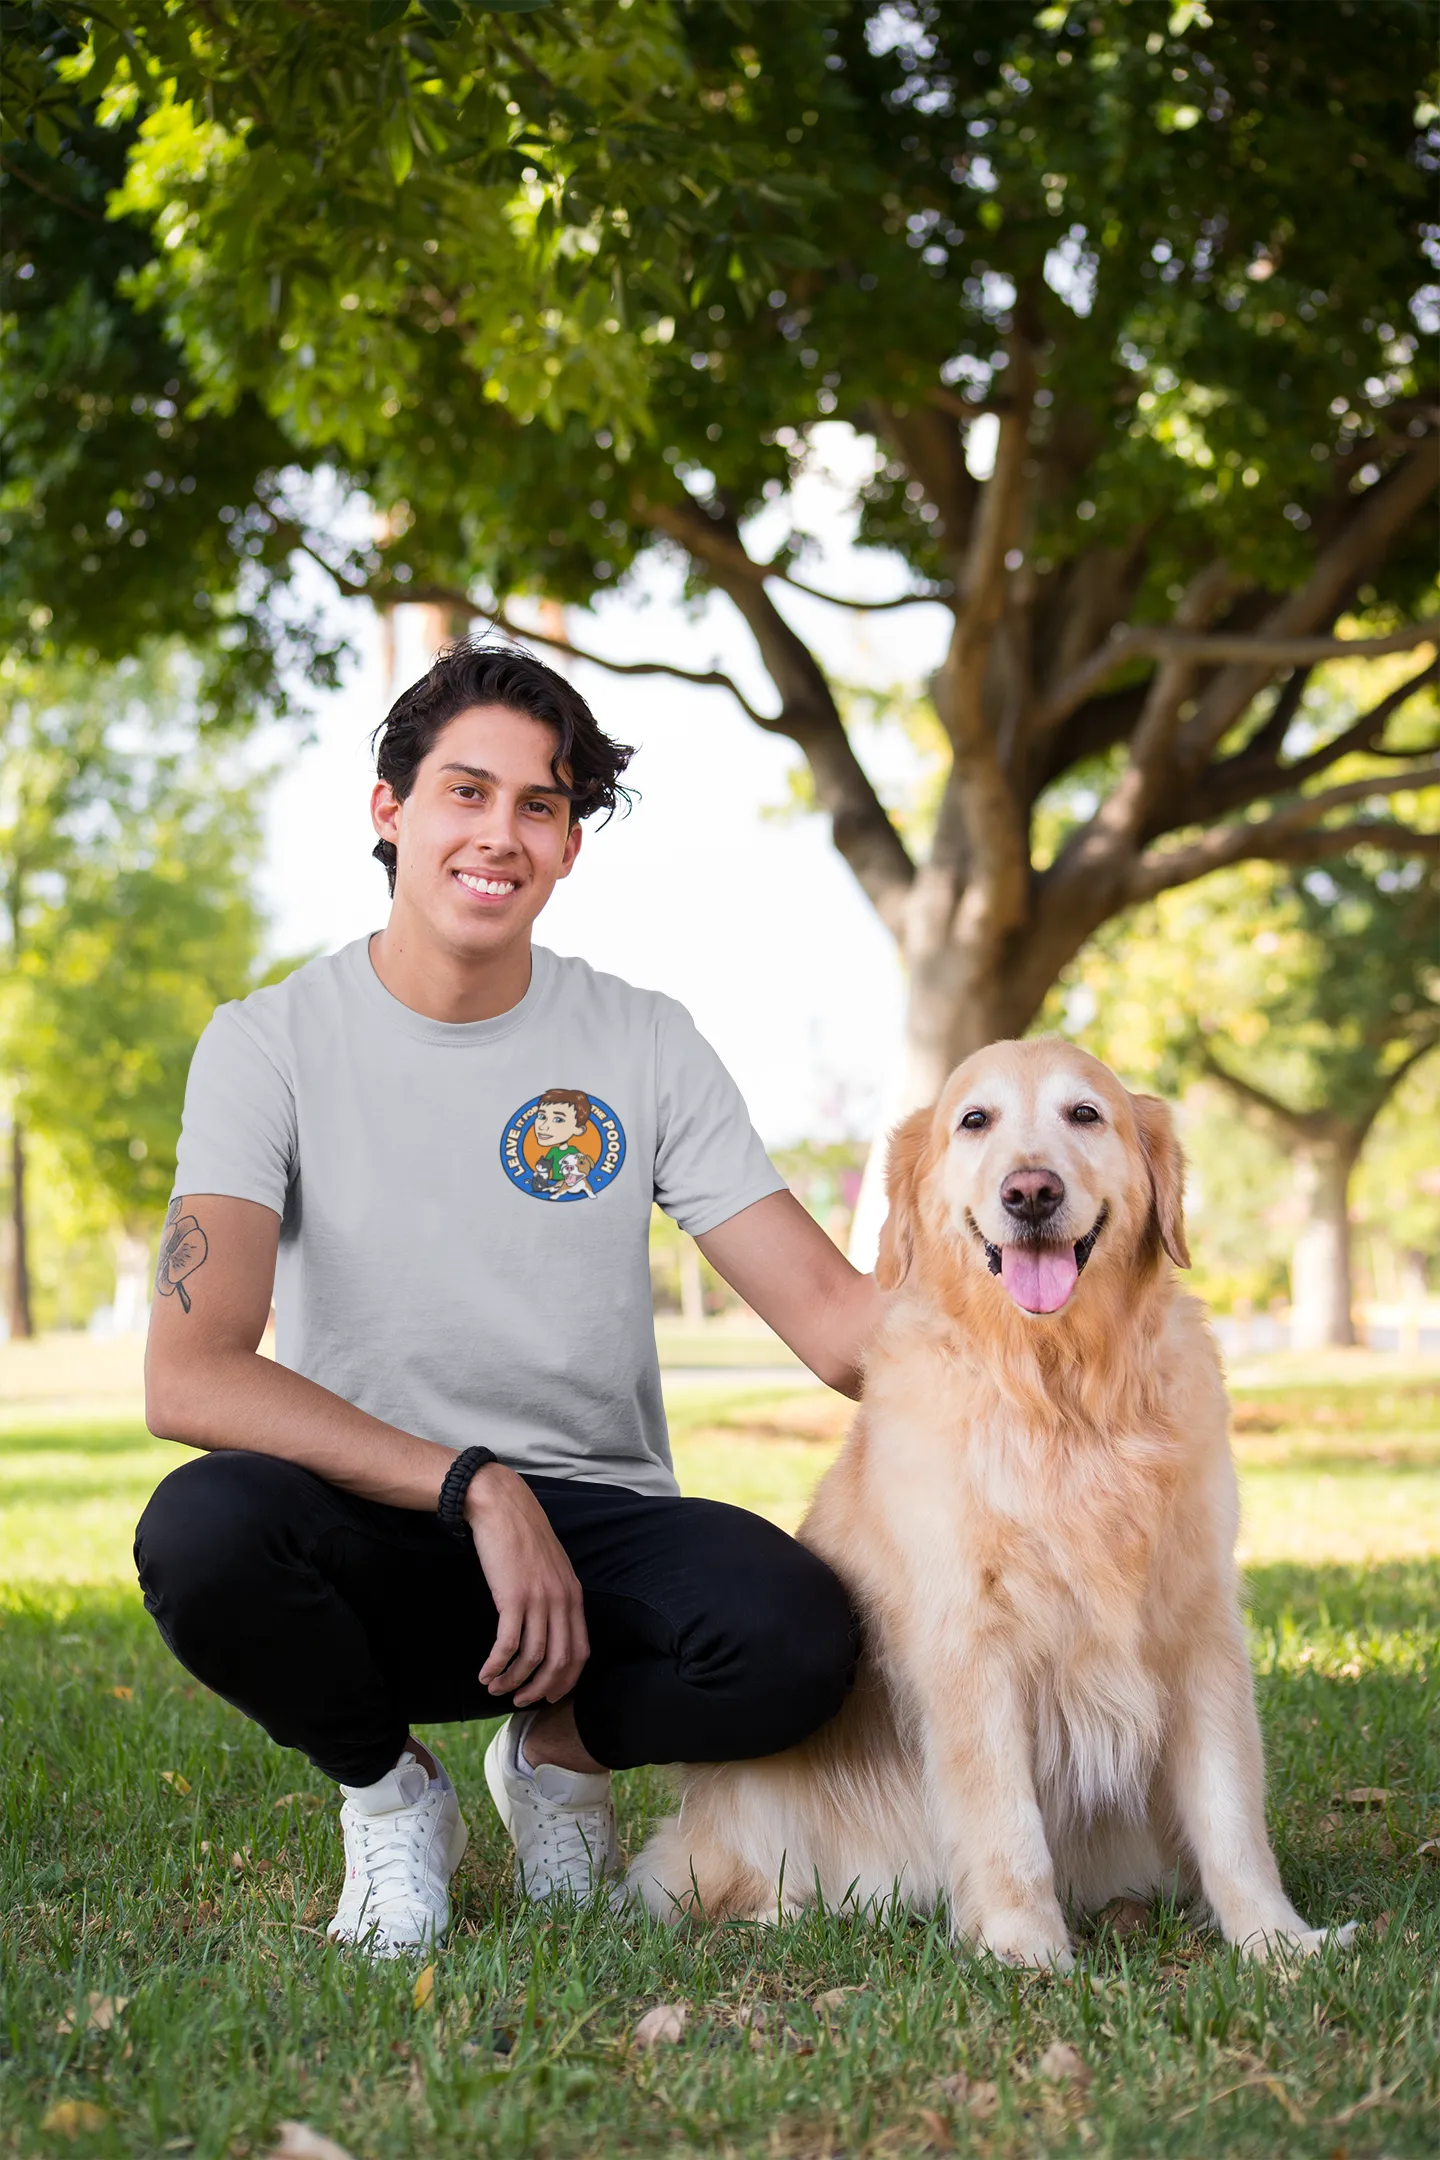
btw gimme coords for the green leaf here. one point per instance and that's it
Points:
(399, 145)
(385, 12)
(446, 15)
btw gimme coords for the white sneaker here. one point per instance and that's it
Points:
(404, 1839)
(561, 1822)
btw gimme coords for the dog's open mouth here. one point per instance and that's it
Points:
(1041, 1278)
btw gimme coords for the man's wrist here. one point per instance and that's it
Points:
(483, 1490)
(456, 1485)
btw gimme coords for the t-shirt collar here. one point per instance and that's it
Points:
(451, 1034)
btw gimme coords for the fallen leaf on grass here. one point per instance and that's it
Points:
(424, 1991)
(937, 2137)
(661, 2026)
(297, 2141)
(978, 2096)
(1381, 1925)
(1430, 1850)
(101, 2012)
(1124, 1916)
(835, 1999)
(123, 1694)
(1064, 2065)
(69, 2117)
(1362, 1796)
(173, 1777)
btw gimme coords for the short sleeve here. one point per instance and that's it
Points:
(709, 1160)
(237, 1136)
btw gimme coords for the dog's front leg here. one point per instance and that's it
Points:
(989, 1828)
(1215, 1778)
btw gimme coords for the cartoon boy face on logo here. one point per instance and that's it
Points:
(564, 1168)
(563, 1145)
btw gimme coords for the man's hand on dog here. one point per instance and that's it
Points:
(541, 1643)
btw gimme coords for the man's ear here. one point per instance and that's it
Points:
(902, 1180)
(385, 811)
(1166, 1165)
(572, 849)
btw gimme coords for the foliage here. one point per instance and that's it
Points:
(127, 852)
(566, 286)
(129, 510)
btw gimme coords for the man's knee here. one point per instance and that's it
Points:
(209, 1531)
(786, 1647)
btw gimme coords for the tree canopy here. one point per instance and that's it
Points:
(1126, 296)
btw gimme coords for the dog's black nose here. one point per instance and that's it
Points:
(1032, 1196)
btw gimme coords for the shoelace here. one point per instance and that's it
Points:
(390, 1847)
(574, 1839)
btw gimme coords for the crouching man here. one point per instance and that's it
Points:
(451, 1493)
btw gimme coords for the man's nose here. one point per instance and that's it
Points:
(1032, 1196)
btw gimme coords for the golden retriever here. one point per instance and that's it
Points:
(1035, 1512)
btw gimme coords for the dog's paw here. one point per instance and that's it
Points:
(1032, 1947)
(1276, 1945)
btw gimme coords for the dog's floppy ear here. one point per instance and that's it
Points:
(902, 1173)
(1167, 1172)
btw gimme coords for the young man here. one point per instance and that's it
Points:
(451, 1493)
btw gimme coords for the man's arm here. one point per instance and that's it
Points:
(207, 1385)
(793, 1275)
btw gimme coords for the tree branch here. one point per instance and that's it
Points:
(1361, 543)
(1247, 777)
(1288, 836)
(1159, 642)
(1296, 1126)
(860, 824)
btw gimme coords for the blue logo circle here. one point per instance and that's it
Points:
(563, 1145)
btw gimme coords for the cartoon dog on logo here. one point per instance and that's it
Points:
(563, 1170)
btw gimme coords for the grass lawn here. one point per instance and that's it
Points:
(158, 1853)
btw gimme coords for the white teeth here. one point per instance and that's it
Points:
(486, 885)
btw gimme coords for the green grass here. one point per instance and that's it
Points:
(205, 1907)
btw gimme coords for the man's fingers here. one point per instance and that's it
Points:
(508, 1636)
(513, 1675)
(558, 1674)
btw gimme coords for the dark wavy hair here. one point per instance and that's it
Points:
(471, 673)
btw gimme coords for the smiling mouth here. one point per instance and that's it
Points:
(484, 888)
(1039, 1277)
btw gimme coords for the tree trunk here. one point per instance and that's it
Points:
(1321, 1316)
(22, 1325)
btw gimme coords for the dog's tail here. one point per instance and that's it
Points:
(686, 1874)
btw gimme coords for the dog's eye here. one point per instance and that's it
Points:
(1085, 1113)
(974, 1121)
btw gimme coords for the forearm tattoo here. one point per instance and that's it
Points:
(183, 1248)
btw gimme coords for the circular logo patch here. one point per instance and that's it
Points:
(563, 1145)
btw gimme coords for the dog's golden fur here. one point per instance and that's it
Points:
(1035, 1513)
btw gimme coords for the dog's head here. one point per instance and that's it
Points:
(1034, 1169)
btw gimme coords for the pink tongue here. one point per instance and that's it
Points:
(1039, 1278)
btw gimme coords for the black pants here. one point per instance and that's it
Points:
(337, 1623)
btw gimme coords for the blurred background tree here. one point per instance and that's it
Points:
(128, 849)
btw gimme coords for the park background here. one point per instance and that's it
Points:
(983, 457)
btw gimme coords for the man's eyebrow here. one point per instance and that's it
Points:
(478, 772)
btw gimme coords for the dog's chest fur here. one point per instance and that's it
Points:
(1048, 1554)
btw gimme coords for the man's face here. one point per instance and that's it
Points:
(483, 834)
(555, 1122)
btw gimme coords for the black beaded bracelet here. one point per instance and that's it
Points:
(450, 1507)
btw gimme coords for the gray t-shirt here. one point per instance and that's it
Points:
(465, 1210)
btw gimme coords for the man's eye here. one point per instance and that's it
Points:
(975, 1121)
(545, 808)
(1085, 1113)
